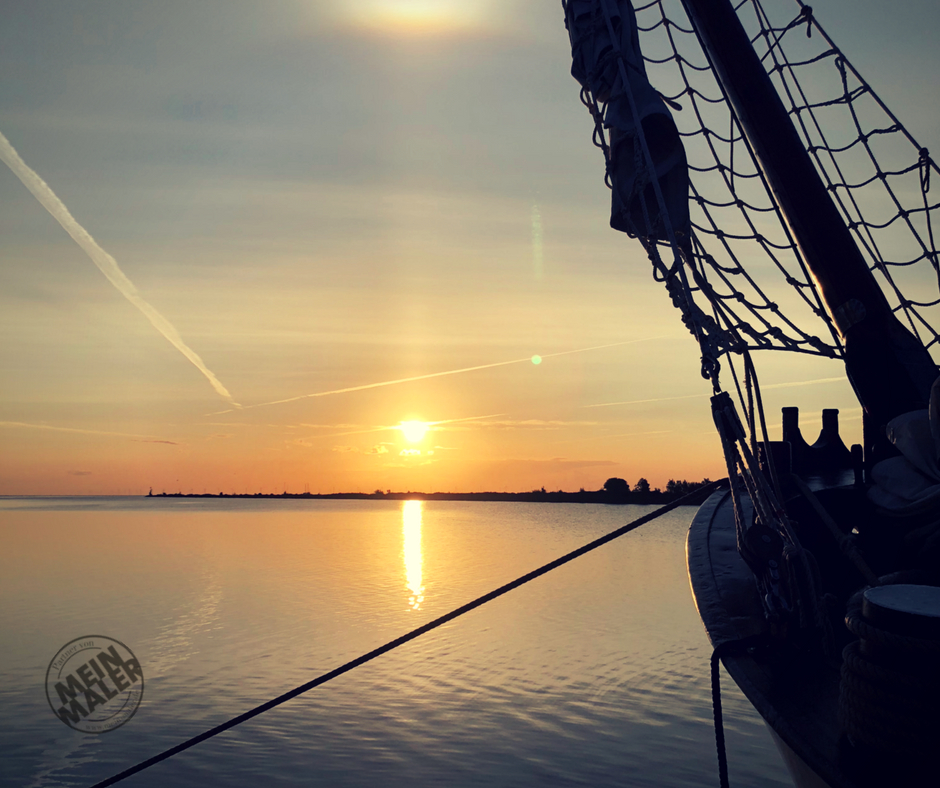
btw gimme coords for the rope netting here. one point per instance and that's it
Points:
(876, 172)
(740, 246)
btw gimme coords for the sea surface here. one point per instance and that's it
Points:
(593, 675)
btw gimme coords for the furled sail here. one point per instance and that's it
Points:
(599, 33)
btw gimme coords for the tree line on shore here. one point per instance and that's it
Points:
(614, 491)
(617, 490)
(675, 488)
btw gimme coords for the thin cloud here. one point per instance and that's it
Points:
(555, 462)
(793, 384)
(364, 387)
(243, 425)
(76, 430)
(104, 261)
(606, 435)
(642, 401)
(531, 424)
(412, 462)
(633, 434)
(433, 426)
(329, 426)
(378, 448)
(365, 431)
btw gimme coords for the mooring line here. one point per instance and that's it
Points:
(415, 633)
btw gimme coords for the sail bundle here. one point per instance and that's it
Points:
(607, 61)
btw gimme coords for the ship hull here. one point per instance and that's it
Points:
(796, 695)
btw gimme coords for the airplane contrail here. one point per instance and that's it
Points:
(365, 386)
(790, 385)
(642, 401)
(794, 384)
(105, 262)
(26, 425)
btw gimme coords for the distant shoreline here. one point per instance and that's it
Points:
(536, 496)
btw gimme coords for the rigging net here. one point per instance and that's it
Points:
(720, 257)
(878, 175)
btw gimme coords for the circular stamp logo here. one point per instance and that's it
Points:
(94, 684)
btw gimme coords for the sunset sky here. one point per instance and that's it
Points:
(320, 197)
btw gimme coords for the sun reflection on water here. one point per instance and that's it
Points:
(411, 551)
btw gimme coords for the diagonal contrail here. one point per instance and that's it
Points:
(789, 385)
(26, 425)
(105, 262)
(642, 401)
(795, 383)
(434, 375)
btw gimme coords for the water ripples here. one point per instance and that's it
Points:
(596, 674)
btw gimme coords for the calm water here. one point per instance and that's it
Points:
(596, 674)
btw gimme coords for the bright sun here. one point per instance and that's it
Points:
(414, 431)
(416, 16)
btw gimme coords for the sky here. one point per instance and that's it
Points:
(242, 242)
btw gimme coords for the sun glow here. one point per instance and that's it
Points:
(416, 16)
(414, 431)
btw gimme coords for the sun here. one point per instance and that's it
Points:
(416, 16)
(414, 431)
